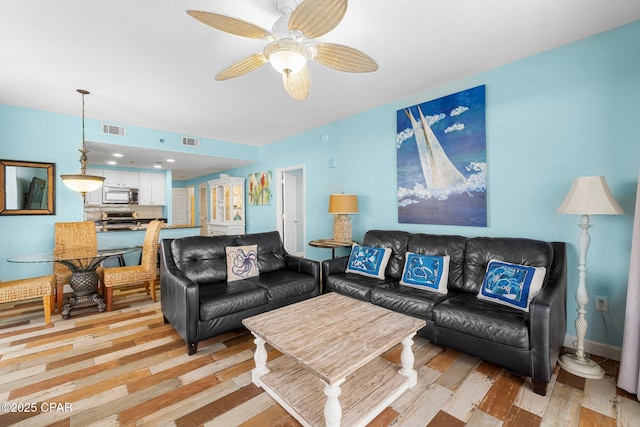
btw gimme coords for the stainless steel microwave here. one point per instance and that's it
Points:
(119, 195)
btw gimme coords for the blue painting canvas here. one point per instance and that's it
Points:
(441, 156)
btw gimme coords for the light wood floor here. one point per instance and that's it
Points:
(127, 368)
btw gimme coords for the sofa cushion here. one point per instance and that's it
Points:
(242, 262)
(406, 300)
(270, 249)
(352, 285)
(512, 285)
(481, 250)
(201, 258)
(426, 272)
(466, 314)
(220, 299)
(397, 241)
(434, 244)
(368, 261)
(284, 284)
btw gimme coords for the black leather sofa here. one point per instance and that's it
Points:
(526, 343)
(199, 302)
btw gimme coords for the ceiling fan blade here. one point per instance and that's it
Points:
(242, 67)
(297, 85)
(231, 25)
(344, 58)
(315, 18)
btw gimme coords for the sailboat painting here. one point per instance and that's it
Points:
(441, 156)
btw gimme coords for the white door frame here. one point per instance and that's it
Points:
(279, 201)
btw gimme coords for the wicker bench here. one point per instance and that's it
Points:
(35, 287)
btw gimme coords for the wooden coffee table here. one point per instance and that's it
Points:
(338, 341)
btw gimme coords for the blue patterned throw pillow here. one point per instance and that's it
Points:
(368, 261)
(512, 285)
(426, 272)
(242, 262)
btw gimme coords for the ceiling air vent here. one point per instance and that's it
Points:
(114, 130)
(190, 141)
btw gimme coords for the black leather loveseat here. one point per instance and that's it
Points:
(527, 343)
(199, 301)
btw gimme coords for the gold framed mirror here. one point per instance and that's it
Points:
(27, 188)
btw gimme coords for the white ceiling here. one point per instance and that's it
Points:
(148, 64)
(184, 165)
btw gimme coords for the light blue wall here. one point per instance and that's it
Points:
(550, 118)
(565, 113)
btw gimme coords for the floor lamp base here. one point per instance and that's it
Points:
(585, 368)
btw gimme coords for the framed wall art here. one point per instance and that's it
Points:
(260, 188)
(441, 160)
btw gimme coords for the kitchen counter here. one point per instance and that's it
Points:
(143, 228)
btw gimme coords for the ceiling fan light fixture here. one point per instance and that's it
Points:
(287, 56)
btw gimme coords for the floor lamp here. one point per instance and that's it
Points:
(589, 195)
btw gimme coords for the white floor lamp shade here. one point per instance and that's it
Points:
(589, 195)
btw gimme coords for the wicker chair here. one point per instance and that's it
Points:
(36, 287)
(71, 237)
(146, 272)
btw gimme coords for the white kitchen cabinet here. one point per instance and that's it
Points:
(94, 198)
(119, 178)
(227, 206)
(151, 191)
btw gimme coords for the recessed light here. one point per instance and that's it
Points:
(170, 160)
(117, 155)
(157, 166)
(111, 162)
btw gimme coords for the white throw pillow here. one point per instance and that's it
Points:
(242, 262)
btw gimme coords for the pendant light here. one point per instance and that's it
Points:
(83, 183)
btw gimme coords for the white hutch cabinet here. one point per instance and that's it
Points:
(227, 206)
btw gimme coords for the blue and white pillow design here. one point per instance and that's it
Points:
(242, 262)
(512, 285)
(368, 261)
(426, 272)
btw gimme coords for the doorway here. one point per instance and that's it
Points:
(202, 209)
(290, 208)
(180, 206)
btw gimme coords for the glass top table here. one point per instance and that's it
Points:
(75, 260)
(84, 278)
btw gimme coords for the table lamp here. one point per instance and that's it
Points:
(342, 205)
(589, 195)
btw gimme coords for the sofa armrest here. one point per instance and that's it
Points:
(547, 317)
(334, 265)
(305, 266)
(179, 298)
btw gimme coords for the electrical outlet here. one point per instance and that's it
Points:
(602, 303)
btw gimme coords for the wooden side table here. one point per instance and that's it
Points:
(330, 244)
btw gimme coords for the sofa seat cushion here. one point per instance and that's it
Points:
(466, 314)
(353, 285)
(284, 284)
(221, 299)
(406, 300)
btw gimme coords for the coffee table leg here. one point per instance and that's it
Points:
(260, 357)
(407, 359)
(332, 409)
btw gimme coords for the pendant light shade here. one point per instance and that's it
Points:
(83, 183)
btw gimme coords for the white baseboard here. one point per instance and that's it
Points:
(592, 347)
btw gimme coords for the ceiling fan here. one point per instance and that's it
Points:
(289, 46)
